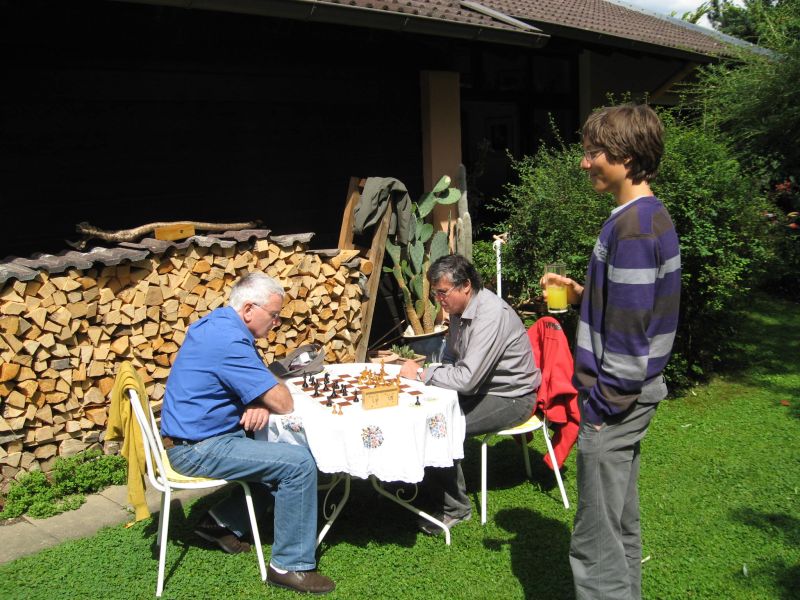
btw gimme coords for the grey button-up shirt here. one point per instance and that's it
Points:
(489, 351)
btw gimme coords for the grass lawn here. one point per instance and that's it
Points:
(720, 495)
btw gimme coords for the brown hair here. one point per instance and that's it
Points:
(628, 131)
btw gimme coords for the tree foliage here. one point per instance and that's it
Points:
(754, 98)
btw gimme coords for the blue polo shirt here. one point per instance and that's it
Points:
(217, 372)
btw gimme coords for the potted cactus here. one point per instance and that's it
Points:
(410, 262)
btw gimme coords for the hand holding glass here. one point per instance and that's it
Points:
(556, 292)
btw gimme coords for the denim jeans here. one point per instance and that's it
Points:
(290, 469)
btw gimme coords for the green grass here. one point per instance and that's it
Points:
(720, 490)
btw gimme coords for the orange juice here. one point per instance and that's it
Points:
(556, 298)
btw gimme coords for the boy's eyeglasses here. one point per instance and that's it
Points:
(590, 155)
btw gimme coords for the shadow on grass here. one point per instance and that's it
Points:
(775, 324)
(784, 526)
(539, 552)
(505, 467)
(181, 527)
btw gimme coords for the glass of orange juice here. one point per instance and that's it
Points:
(556, 293)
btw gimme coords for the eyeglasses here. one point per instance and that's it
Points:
(275, 316)
(442, 294)
(590, 155)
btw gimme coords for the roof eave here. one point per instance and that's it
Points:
(605, 39)
(323, 12)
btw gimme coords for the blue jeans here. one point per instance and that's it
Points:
(291, 469)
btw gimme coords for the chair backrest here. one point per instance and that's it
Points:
(151, 438)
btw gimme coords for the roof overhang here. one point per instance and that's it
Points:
(357, 16)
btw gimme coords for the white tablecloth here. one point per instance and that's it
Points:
(393, 444)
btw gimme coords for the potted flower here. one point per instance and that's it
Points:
(410, 263)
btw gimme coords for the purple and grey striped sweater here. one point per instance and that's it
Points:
(629, 312)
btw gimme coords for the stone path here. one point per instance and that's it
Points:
(109, 507)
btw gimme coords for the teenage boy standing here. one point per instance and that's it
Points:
(629, 315)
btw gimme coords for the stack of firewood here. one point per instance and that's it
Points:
(63, 335)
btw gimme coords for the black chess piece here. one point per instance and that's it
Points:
(325, 387)
(305, 380)
(329, 403)
(333, 393)
(417, 402)
(342, 389)
(316, 388)
(355, 396)
(327, 378)
(312, 380)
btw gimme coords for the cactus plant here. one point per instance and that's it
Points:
(463, 228)
(410, 262)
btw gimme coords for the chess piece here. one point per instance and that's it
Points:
(312, 380)
(305, 380)
(327, 378)
(355, 396)
(325, 387)
(343, 389)
(333, 393)
(316, 388)
(417, 403)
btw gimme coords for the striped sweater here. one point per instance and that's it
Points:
(629, 312)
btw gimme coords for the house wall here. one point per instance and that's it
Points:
(604, 73)
(121, 114)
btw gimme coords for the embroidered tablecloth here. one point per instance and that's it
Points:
(425, 429)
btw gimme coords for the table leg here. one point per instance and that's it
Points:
(331, 511)
(406, 504)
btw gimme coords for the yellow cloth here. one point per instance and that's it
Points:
(122, 425)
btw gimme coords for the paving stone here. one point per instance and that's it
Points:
(21, 539)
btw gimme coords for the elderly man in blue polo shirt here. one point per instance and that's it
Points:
(219, 389)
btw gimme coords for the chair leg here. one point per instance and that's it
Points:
(162, 539)
(483, 477)
(526, 458)
(555, 464)
(248, 498)
(160, 520)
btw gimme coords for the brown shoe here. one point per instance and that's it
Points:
(308, 582)
(221, 536)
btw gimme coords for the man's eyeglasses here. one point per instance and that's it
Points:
(590, 155)
(275, 316)
(442, 294)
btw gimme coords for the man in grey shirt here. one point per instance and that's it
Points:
(488, 361)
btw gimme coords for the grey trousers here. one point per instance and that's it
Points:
(484, 414)
(606, 548)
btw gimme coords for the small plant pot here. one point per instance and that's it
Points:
(429, 345)
(386, 356)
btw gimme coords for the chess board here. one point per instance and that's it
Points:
(329, 392)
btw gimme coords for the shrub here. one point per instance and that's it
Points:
(84, 473)
(553, 213)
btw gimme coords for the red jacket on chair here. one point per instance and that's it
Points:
(556, 398)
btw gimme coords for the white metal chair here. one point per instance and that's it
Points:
(528, 426)
(165, 479)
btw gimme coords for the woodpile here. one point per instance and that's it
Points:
(62, 335)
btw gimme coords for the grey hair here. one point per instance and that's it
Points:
(457, 268)
(256, 288)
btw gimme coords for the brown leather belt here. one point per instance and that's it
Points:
(170, 442)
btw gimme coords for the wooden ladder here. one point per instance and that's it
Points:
(374, 256)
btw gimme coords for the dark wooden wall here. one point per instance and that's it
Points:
(122, 114)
